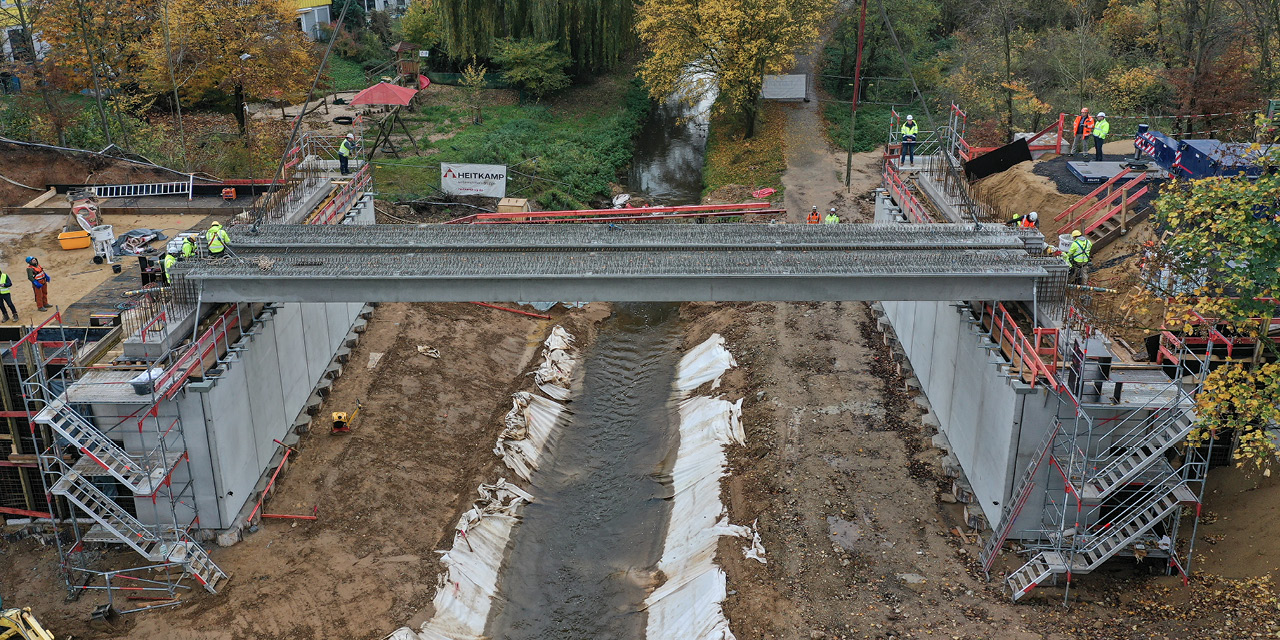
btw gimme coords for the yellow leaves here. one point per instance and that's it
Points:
(733, 42)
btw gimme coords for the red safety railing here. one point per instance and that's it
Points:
(1092, 194)
(1024, 355)
(337, 206)
(1109, 205)
(169, 382)
(1056, 147)
(902, 195)
(632, 211)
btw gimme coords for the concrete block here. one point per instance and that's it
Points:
(351, 340)
(923, 401)
(229, 537)
(360, 325)
(932, 420)
(343, 354)
(962, 491)
(974, 518)
(877, 308)
(313, 405)
(940, 441)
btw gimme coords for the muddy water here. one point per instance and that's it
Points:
(667, 165)
(579, 561)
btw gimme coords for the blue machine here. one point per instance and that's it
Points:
(1202, 158)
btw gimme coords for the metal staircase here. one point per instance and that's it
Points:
(1145, 450)
(111, 516)
(1112, 455)
(1149, 507)
(139, 477)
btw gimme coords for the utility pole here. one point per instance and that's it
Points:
(857, 80)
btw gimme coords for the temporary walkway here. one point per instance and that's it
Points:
(626, 263)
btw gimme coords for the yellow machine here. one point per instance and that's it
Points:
(342, 422)
(19, 624)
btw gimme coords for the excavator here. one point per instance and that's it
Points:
(20, 624)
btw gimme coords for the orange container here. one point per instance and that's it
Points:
(78, 239)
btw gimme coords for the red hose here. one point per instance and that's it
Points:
(523, 313)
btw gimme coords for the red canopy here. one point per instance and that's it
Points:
(385, 93)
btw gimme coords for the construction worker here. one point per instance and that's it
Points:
(5, 299)
(1077, 257)
(1081, 129)
(813, 216)
(831, 218)
(188, 246)
(344, 152)
(39, 283)
(1029, 221)
(909, 131)
(217, 239)
(1101, 128)
(170, 259)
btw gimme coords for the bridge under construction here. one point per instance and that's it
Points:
(628, 263)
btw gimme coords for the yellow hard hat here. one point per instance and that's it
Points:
(1076, 233)
(215, 223)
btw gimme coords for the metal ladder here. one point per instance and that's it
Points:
(1011, 509)
(1140, 455)
(1151, 508)
(79, 491)
(147, 189)
(1036, 570)
(93, 443)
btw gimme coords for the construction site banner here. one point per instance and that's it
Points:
(488, 180)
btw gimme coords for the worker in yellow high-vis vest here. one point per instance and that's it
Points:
(5, 299)
(217, 239)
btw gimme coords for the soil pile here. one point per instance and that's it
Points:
(39, 167)
(1019, 189)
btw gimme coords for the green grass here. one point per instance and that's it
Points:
(345, 75)
(755, 163)
(569, 156)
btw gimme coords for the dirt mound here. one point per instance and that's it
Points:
(1019, 189)
(39, 167)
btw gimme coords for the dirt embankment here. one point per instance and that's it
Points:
(839, 472)
(1020, 190)
(388, 493)
(39, 167)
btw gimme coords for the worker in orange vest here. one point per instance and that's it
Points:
(1080, 129)
(814, 218)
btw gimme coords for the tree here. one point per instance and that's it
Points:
(1223, 260)
(473, 81)
(250, 48)
(536, 67)
(725, 46)
(593, 33)
(421, 24)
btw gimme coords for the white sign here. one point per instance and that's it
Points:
(474, 179)
(423, 53)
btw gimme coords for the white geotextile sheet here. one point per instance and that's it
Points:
(704, 363)
(555, 375)
(529, 425)
(465, 591)
(688, 605)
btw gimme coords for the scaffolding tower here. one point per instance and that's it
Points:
(114, 450)
(1121, 478)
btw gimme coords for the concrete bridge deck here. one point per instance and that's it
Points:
(624, 263)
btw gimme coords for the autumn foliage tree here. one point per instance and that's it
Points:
(1223, 262)
(249, 49)
(726, 46)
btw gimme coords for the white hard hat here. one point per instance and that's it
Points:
(833, 209)
(1101, 114)
(910, 118)
(351, 135)
(1034, 216)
